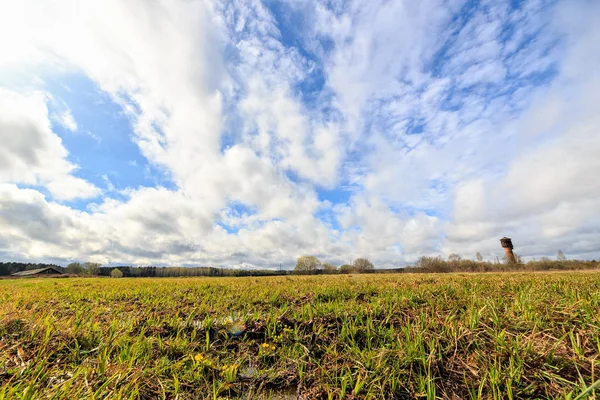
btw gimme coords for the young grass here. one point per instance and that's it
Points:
(492, 336)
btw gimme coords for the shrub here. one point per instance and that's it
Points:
(346, 269)
(433, 264)
(116, 273)
(437, 264)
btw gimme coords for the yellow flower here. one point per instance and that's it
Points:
(267, 347)
(199, 357)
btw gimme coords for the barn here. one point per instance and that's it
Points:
(39, 272)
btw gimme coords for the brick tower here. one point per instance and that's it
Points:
(508, 249)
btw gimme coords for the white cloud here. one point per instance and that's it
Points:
(31, 153)
(67, 121)
(548, 196)
(276, 123)
(35, 228)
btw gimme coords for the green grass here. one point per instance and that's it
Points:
(461, 336)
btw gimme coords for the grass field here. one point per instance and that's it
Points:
(457, 336)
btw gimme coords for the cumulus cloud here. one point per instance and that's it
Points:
(449, 124)
(31, 153)
(548, 193)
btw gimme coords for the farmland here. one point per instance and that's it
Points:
(501, 335)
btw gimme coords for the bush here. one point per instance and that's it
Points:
(432, 264)
(346, 269)
(329, 269)
(116, 273)
(438, 264)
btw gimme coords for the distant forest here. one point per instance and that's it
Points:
(93, 269)
(142, 272)
(309, 265)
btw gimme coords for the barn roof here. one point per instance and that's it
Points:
(37, 271)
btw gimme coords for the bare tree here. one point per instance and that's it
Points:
(362, 265)
(91, 268)
(560, 256)
(454, 257)
(329, 269)
(74, 268)
(479, 257)
(307, 265)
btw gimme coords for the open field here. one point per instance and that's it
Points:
(509, 335)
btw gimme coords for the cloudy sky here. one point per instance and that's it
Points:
(247, 133)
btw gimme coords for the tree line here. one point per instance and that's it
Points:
(310, 265)
(151, 272)
(455, 263)
(96, 269)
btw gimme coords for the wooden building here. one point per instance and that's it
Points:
(39, 272)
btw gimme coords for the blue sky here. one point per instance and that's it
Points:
(102, 145)
(195, 132)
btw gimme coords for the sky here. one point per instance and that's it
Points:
(245, 133)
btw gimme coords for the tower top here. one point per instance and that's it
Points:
(506, 243)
